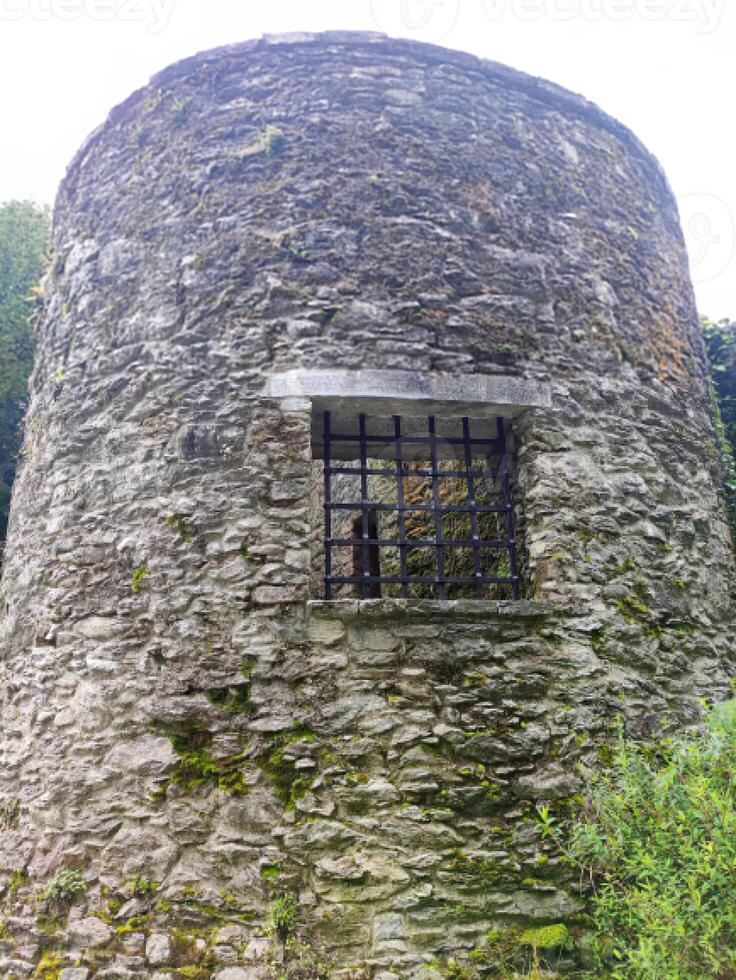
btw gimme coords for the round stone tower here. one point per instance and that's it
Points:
(194, 741)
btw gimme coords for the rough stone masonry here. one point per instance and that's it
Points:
(188, 737)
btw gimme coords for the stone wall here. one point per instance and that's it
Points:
(179, 725)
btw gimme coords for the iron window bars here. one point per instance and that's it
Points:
(366, 541)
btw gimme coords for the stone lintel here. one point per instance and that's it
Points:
(382, 394)
(398, 392)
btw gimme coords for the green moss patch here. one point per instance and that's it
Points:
(196, 767)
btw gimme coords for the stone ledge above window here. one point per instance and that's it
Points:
(345, 392)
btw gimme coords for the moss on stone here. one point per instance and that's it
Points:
(16, 881)
(235, 699)
(273, 140)
(196, 767)
(180, 524)
(282, 772)
(139, 575)
(49, 966)
(598, 639)
(50, 925)
(484, 870)
(230, 910)
(546, 937)
(136, 923)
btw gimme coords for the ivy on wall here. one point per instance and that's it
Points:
(24, 234)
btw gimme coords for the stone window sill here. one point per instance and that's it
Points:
(433, 609)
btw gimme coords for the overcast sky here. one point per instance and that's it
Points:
(666, 68)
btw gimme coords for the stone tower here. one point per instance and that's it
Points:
(358, 226)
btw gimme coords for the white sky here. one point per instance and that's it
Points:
(666, 68)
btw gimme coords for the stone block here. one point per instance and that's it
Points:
(159, 949)
(90, 932)
(135, 943)
(550, 783)
(232, 935)
(17, 968)
(225, 954)
(388, 927)
(256, 950)
(238, 973)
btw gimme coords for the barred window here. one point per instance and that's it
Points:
(418, 507)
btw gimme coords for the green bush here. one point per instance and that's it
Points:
(660, 843)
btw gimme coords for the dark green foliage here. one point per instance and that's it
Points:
(720, 339)
(24, 232)
(660, 844)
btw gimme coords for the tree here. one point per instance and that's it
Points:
(24, 235)
(720, 341)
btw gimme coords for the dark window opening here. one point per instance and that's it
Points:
(367, 558)
(418, 508)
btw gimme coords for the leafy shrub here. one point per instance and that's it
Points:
(660, 843)
(281, 917)
(141, 887)
(300, 962)
(66, 887)
(296, 959)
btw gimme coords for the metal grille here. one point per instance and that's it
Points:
(475, 463)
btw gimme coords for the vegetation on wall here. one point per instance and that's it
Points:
(720, 340)
(24, 233)
(658, 845)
